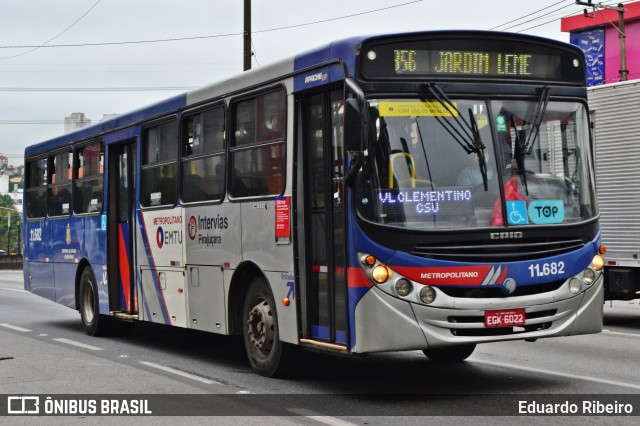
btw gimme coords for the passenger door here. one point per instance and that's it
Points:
(324, 252)
(120, 227)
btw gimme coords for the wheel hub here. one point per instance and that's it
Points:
(88, 303)
(260, 326)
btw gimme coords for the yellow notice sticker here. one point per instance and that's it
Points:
(482, 121)
(416, 109)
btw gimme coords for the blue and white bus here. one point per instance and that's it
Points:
(426, 191)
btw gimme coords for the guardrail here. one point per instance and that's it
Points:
(13, 261)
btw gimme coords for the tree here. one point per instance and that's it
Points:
(9, 235)
(6, 201)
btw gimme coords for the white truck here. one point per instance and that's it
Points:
(615, 115)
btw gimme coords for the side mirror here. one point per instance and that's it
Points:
(352, 125)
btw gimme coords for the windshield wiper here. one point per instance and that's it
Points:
(467, 135)
(519, 153)
(477, 143)
(537, 119)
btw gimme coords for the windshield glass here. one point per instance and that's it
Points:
(424, 170)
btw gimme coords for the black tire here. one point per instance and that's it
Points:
(450, 354)
(94, 323)
(262, 343)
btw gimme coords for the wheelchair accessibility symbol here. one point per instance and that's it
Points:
(517, 212)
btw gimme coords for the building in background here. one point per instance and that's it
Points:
(597, 35)
(76, 120)
(13, 191)
(107, 116)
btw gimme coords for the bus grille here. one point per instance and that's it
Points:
(497, 252)
(482, 293)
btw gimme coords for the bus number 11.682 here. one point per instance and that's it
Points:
(545, 269)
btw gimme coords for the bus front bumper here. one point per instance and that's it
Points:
(386, 323)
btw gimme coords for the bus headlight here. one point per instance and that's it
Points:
(575, 285)
(597, 262)
(380, 274)
(427, 295)
(403, 287)
(589, 276)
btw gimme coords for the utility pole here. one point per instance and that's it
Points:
(247, 35)
(624, 72)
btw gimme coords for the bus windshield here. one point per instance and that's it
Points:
(426, 171)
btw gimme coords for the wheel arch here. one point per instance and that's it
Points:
(83, 263)
(242, 277)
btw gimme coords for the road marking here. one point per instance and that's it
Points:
(556, 373)
(13, 289)
(15, 327)
(78, 344)
(180, 373)
(620, 333)
(312, 415)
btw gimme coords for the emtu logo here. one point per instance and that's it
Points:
(160, 237)
(168, 237)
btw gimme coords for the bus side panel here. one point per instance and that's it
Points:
(95, 251)
(212, 242)
(66, 237)
(259, 237)
(95, 241)
(163, 296)
(160, 267)
(259, 245)
(163, 236)
(38, 254)
(283, 285)
(65, 277)
(205, 293)
(42, 279)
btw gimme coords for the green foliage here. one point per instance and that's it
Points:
(6, 201)
(9, 239)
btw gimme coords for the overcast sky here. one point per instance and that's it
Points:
(211, 48)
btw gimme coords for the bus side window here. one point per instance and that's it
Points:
(203, 157)
(36, 188)
(257, 151)
(88, 175)
(59, 188)
(159, 167)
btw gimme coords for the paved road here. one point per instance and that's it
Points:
(47, 352)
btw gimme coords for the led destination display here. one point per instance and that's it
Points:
(421, 203)
(475, 58)
(469, 63)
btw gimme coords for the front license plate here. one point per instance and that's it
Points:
(504, 318)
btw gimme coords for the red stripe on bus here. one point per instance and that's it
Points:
(124, 268)
(357, 279)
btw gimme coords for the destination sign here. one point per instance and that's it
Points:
(414, 204)
(474, 58)
(468, 63)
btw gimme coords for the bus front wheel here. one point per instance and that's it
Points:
(94, 323)
(260, 330)
(450, 354)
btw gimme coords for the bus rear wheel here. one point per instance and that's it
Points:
(450, 354)
(260, 330)
(94, 323)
